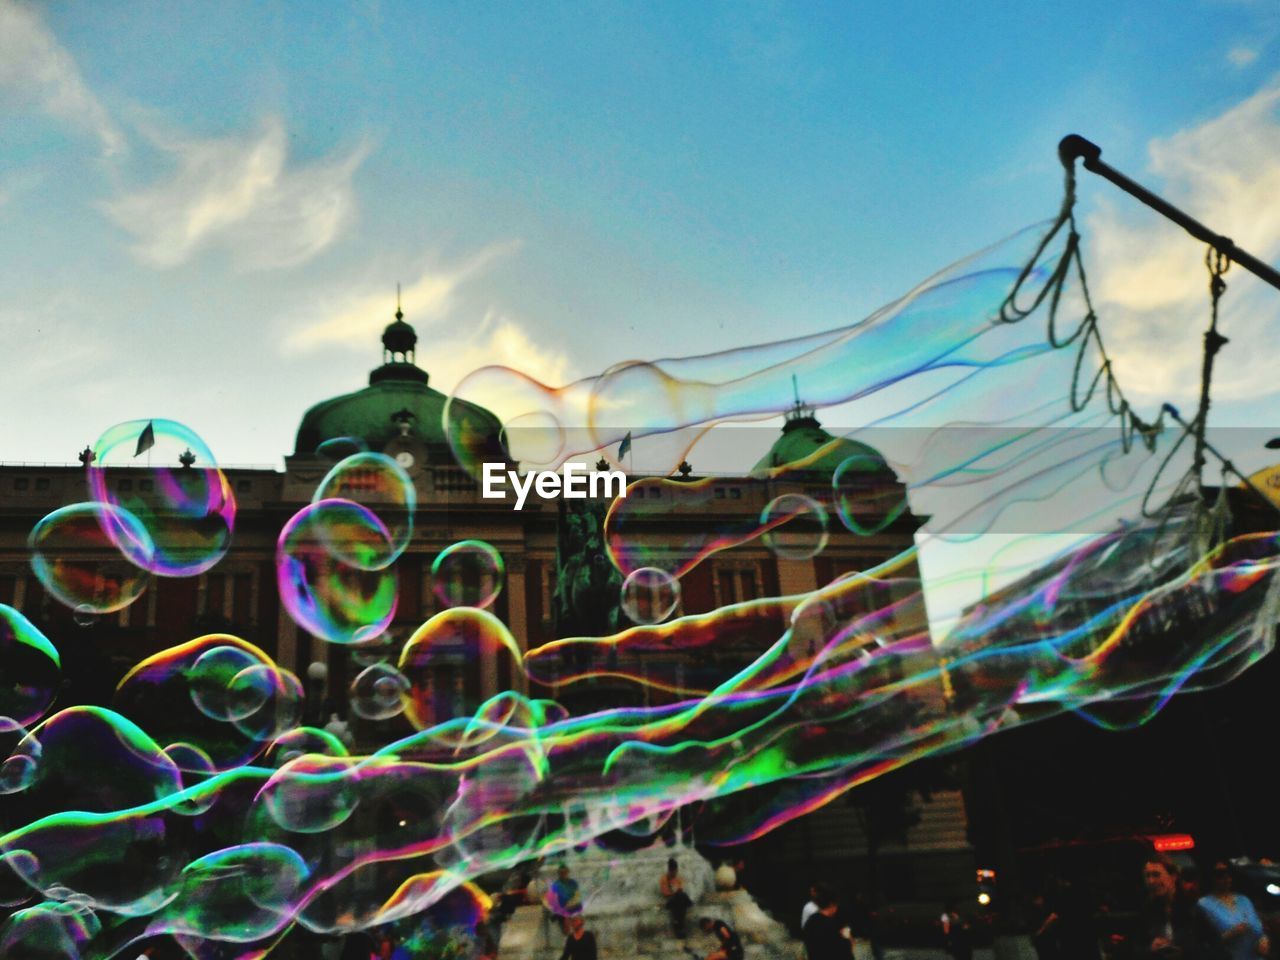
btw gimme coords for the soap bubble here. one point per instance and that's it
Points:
(210, 678)
(165, 476)
(795, 526)
(868, 497)
(348, 596)
(467, 574)
(311, 793)
(378, 692)
(195, 766)
(650, 595)
(30, 669)
(434, 659)
(379, 484)
(76, 555)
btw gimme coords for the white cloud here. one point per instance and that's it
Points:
(356, 320)
(497, 340)
(1149, 277)
(1241, 57)
(451, 343)
(36, 69)
(239, 193)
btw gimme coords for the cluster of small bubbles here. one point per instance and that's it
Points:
(163, 475)
(469, 573)
(76, 556)
(378, 692)
(332, 570)
(379, 484)
(30, 668)
(158, 694)
(649, 595)
(795, 526)
(867, 497)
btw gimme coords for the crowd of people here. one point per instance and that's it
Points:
(1178, 920)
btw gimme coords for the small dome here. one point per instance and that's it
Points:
(399, 337)
(397, 402)
(808, 449)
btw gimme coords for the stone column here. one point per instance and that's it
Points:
(518, 615)
(286, 641)
(796, 576)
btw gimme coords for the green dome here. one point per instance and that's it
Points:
(397, 403)
(813, 451)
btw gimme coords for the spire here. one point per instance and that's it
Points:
(398, 342)
(799, 415)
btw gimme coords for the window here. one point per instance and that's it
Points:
(146, 485)
(125, 484)
(244, 486)
(22, 483)
(42, 483)
(736, 584)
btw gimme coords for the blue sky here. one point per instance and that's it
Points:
(205, 208)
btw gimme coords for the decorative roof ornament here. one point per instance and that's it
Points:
(800, 414)
(403, 419)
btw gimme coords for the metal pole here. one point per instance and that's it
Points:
(1073, 147)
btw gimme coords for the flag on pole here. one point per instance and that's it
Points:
(146, 439)
(624, 446)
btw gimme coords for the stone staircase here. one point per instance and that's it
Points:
(622, 907)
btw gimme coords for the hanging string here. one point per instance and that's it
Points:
(1218, 264)
(1084, 334)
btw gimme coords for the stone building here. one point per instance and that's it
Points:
(399, 413)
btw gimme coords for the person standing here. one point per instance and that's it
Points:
(810, 908)
(1171, 930)
(824, 937)
(564, 899)
(580, 944)
(677, 902)
(1232, 918)
(957, 934)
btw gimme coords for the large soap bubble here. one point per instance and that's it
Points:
(467, 574)
(162, 473)
(30, 669)
(77, 554)
(378, 483)
(332, 562)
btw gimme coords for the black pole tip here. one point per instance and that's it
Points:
(1074, 146)
(1273, 443)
